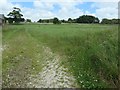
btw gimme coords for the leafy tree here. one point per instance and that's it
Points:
(96, 20)
(115, 21)
(74, 21)
(15, 15)
(70, 20)
(87, 19)
(28, 20)
(63, 21)
(39, 21)
(21, 19)
(56, 21)
(106, 21)
(47, 21)
(110, 21)
(10, 20)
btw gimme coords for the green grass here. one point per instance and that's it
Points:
(20, 57)
(91, 50)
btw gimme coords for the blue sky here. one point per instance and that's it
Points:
(63, 9)
(25, 4)
(84, 6)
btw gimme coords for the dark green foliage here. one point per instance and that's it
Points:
(115, 21)
(15, 16)
(56, 21)
(63, 21)
(10, 20)
(39, 21)
(28, 20)
(106, 21)
(87, 19)
(45, 21)
(110, 21)
(70, 20)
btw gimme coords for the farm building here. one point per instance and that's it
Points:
(1, 19)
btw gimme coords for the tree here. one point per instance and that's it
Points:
(106, 21)
(110, 21)
(22, 20)
(96, 20)
(70, 20)
(47, 21)
(87, 19)
(15, 15)
(39, 21)
(10, 20)
(28, 20)
(56, 21)
(115, 21)
(63, 21)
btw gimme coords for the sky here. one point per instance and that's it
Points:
(63, 9)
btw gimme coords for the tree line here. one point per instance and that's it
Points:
(81, 19)
(86, 19)
(15, 16)
(110, 21)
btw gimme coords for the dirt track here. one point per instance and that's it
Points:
(20, 75)
(53, 75)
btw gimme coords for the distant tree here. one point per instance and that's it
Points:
(96, 20)
(87, 19)
(28, 20)
(10, 20)
(22, 20)
(63, 21)
(15, 15)
(106, 21)
(56, 21)
(47, 21)
(39, 21)
(115, 21)
(69, 20)
(110, 21)
(5, 19)
(74, 21)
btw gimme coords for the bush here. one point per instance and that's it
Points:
(10, 20)
(28, 20)
(56, 21)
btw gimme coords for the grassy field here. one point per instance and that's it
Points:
(89, 52)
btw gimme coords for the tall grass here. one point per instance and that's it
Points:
(91, 50)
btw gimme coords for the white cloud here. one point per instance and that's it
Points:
(106, 9)
(43, 9)
(66, 0)
(36, 14)
(3, 8)
(6, 6)
(107, 13)
(67, 9)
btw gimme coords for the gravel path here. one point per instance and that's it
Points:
(33, 65)
(53, 75)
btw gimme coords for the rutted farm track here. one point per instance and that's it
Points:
(53, 75)
(31, 64)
